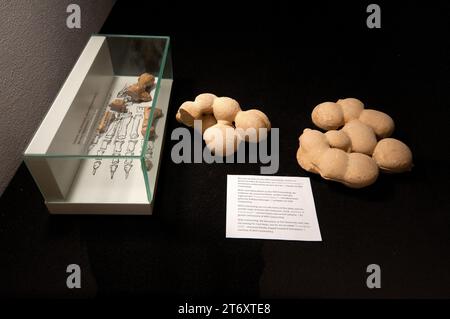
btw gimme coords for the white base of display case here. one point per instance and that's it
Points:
(67, 208)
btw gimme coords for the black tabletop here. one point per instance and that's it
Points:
(283, 60)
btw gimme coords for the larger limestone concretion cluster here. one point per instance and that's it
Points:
(224, 124)
(354, 154)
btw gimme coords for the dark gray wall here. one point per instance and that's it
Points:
(37, 51)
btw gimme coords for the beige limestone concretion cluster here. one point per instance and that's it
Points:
(354, 154)
(224, 124)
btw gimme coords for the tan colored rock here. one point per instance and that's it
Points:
(351, 108)
(331, 116)
(189, 112)
(356, 153)
(248, 125)
(208, 120)
(362, 137)
(219, 114)
(221, 139)
(225, 109)
(393, 156)
(339, 139)
(205, 102)
(195, 110)
(315, 155)
(381, 123)
(328, 116)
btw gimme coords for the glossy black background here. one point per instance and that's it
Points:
(283, 59)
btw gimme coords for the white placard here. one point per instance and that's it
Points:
(271, 207)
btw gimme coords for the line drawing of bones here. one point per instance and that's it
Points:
(96, 165)
(118, 147)
(150, 147)
(148, 154)
(90, 124)
(94, 142)
(122, 93)
(141, 108)
(131, 146)
(100, 152)
(135, 126)
(104, 145)
(123, 127)
(113, 168)
(127, 166)
(115, 162)
(103, 126)
(112, 130)
(129, 161)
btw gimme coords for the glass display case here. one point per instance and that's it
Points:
(98, 149)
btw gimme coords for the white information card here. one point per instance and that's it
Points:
(271, 207)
